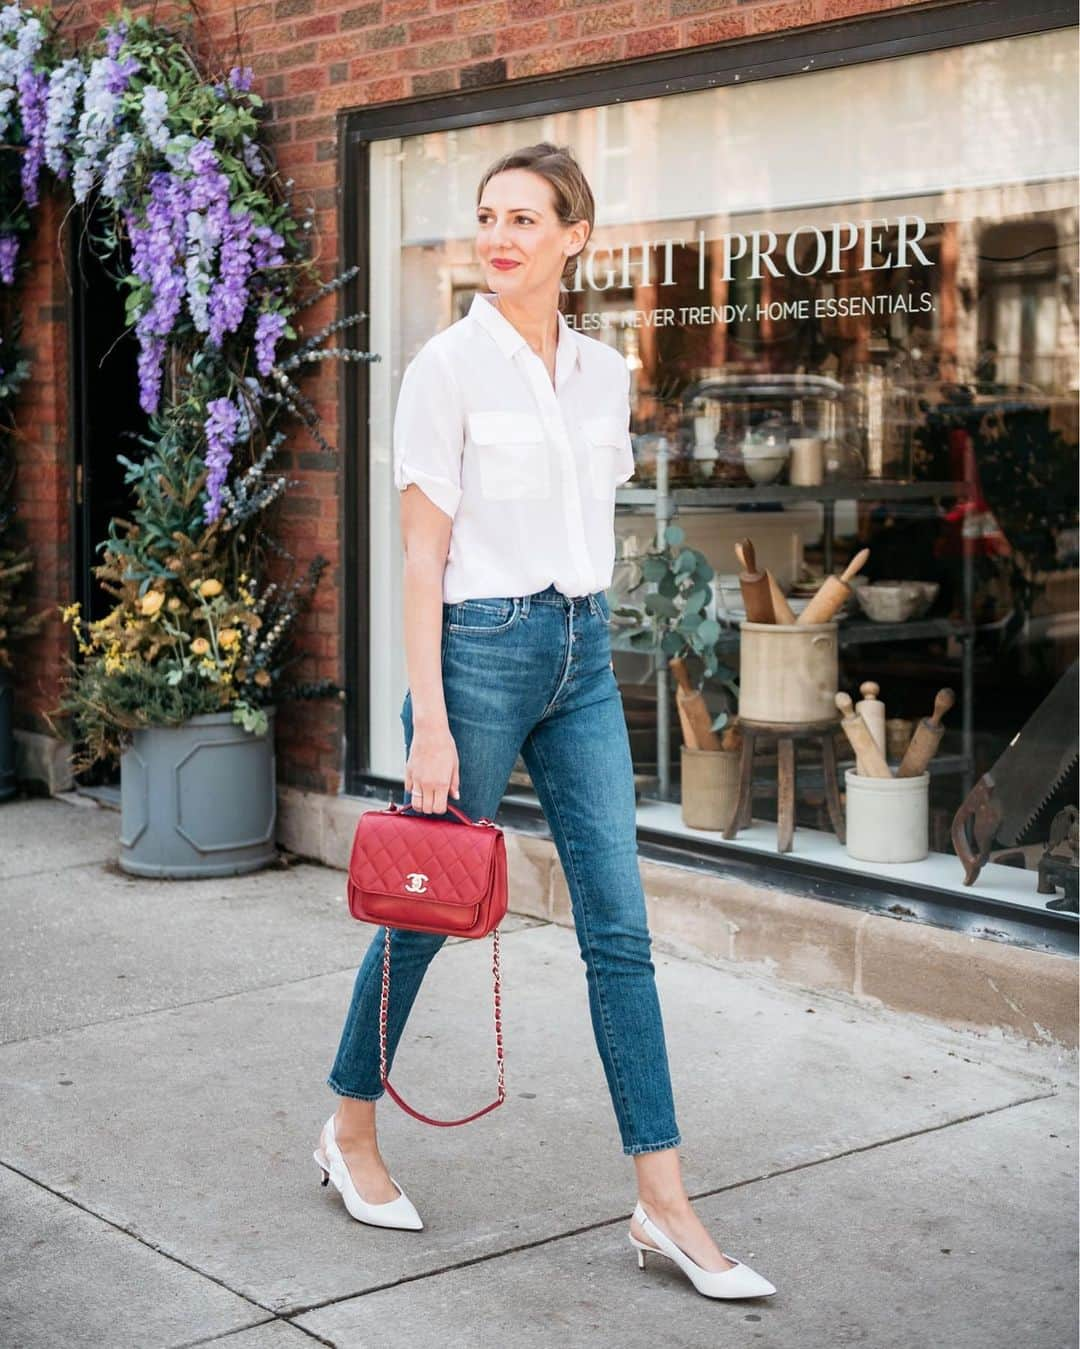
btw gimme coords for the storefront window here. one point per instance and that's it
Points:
(848, 299)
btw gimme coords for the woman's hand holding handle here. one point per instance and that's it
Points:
(432, 771)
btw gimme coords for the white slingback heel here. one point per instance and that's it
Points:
(739, 1281)
(397, 1212)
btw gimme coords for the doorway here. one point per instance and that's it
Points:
(106, 419)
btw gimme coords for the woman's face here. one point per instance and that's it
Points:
(516, 223)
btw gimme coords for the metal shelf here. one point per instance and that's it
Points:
(664, 503)
(856, 489)
(863, 632)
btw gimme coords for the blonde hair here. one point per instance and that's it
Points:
(573, 195)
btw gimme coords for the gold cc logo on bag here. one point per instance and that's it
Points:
(415, 882)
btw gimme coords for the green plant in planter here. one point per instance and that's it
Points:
(671, 621)
(169, 155)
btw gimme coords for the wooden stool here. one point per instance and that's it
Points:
(786, 733)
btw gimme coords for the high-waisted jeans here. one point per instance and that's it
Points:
(533, 674)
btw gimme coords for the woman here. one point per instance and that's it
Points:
(510, 435)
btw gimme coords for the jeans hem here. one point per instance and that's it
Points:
(353, 1095)
(633, 1149)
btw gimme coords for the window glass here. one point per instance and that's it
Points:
(848, 302)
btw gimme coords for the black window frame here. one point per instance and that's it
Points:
(846, 42)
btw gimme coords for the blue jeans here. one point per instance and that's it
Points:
(532, 674)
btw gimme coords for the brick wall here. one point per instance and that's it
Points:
(313, 59)
(43, 477)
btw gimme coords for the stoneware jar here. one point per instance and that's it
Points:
(888, 819)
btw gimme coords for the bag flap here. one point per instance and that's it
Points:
(436, 859)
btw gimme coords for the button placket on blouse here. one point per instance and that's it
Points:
(552, 413)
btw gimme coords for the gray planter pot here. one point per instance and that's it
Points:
(198, 799)
(7, 734)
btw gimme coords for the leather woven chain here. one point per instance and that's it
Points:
(383, 1006)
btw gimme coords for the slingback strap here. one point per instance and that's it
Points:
(384, 1003)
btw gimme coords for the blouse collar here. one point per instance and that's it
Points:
(485, 311)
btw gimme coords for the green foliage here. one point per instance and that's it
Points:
(671, 621)
(207, 599)
(108, 705)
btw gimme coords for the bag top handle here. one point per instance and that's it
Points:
(465, 819)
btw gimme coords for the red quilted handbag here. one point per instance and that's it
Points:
(428, 874)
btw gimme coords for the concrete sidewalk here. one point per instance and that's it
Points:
(163, 1050)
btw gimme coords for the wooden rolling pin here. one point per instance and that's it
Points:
(833, 592)
(731, 737)
(862, 742)
(754, 584)
(781, 608)
(927, 737)
(694, 714)
(872, 710)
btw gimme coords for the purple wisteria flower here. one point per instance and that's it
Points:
(268, 248)
(61, 105)
(106, 80)
(253, 158)
(155, 108)
(157, 250)
(269, 327)
(229, 297)
(16, 59)
(191, 245)
(9, 252)
(116, 39)
(118, 74)
(117, 164)
(222, 433)
(33, 88)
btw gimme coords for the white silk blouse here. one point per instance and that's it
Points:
(525, 469)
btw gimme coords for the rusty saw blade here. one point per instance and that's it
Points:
(1037, 758)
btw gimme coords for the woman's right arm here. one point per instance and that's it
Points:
(432, 766)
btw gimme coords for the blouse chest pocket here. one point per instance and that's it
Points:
(604, 437)
(512, 454)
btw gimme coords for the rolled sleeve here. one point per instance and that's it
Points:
(429, 430)
(624, 460)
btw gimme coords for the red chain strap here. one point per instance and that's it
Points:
(383, 1005)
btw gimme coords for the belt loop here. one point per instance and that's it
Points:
(594, 607)
(525, 605)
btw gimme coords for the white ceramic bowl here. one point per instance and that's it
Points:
(887, 603)
(764, 449)
(765, 469)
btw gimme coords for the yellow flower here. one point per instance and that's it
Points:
(152, 602)
(228, 637)
(208, 589)
(70, 612)
(200, 646)
(262, 678)
(173, 605)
